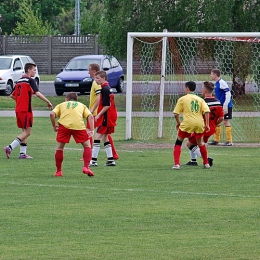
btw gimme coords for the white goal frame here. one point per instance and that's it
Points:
(164, 35)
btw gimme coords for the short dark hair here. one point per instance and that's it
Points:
(216, 71)
(72, 96)
(102, 74)
(29, 66)
(94, 66)
(209, 86)
(191, 85)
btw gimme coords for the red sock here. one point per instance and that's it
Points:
(59, 159)
(204, 154)
(110, 139)
(87, 155)
(177, 154)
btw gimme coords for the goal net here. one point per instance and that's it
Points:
(159, 64)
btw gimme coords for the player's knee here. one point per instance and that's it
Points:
(178, 142)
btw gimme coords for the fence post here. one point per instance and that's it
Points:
(49, 66)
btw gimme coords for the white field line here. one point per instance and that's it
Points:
(201, 194)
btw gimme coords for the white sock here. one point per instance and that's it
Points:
(193, 156)
(108, 150)
(15, 143)
(196, 151)
(95, 150)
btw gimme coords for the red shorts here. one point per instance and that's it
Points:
(193, 138)
(24, 119)
(64, 134)
(183, 135)
(105, 130)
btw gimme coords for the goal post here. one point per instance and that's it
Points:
(158, 65)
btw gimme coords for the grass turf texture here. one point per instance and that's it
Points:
(140, 209)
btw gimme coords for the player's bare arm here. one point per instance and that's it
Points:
(53, 121)
(207, 128)
(177, 118)
(103, 110)
(43, 98)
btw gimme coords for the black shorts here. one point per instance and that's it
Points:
(229, 114)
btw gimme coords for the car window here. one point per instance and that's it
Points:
(5, 63)
(80, 64)
(114, 62)
(25, 60)
(106, 64)
(17, 64)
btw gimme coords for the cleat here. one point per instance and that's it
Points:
(110, 163)
(210, 160)
(58, 174)
(206, 166)
(115, 156)
(190, 163)
(93, 163)
(25, 156)
(87, 171)
(7, 151)
(227, 143)
(213, 143)
(176, 167)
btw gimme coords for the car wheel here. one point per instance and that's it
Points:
(59, 92)
(120, 85)
(9, 88)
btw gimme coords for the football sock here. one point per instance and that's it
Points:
(59, 159)
(95, 150)
(108, 150)
(193, 156)
(177, 152)
(204, 153)
(217, 134)
(229, 133)
(17, 141)
(23, 148)
(87, 154)
(196, 150)
(110, 139)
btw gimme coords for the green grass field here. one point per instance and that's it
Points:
(140, 209)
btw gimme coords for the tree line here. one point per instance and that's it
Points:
(113, 19)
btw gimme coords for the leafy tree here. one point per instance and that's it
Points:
(31, 22)
(8, 9)
(91, 17)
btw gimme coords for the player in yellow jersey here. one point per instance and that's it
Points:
(192, 108)
(71, 114)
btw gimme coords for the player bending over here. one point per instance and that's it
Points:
(216, 116)
(192, 109)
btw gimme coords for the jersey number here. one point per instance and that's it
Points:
(194, 106)
(72, 104)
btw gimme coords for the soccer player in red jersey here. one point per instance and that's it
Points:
(22, 94)
(94, 98)
(216, 116)
(71, 114)
(105, 120)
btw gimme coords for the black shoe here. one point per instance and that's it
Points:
(190, 163)
(213, 143)
(110, 163)
(210, 160)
